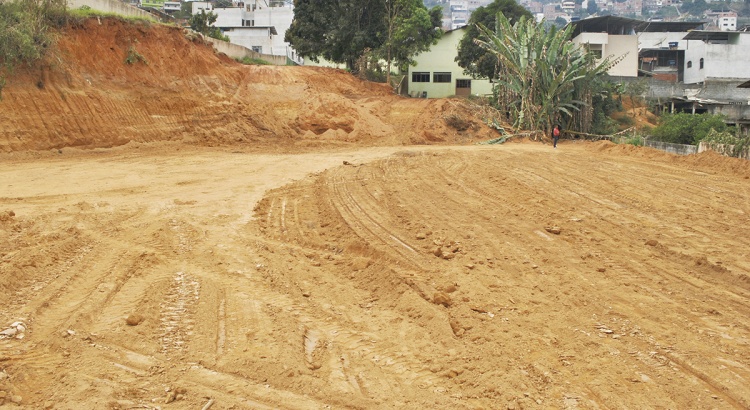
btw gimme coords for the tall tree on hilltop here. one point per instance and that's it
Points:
(341, 30)
(337, 31)
(411, 29)
(474, 59)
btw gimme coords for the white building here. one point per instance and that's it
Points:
(436, 73)
(727, 23)
(198, 6)
(613, 37)
(716, 55)
(258, 25)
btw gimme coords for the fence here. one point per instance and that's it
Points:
(679, 149)
(238, 52)
(725, 149)
(111, 6)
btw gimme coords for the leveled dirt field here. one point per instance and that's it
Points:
(315, 267)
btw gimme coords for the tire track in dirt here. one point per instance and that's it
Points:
(619, 269)
(365, 220)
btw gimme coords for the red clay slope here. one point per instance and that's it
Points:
(89, 96)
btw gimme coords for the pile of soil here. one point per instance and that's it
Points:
(176, 88)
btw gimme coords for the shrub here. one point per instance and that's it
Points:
(730, 144)
(637, 141)
(683, 128)
(458, 122)
(252, 61)
(134, 56)
(25, 36)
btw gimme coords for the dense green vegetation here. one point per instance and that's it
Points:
(202, 23)
(473, 58)
(252, 61)
(25, 32)
(543, 78)
(343, 31)
(684, 128)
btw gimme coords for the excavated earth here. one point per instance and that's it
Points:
(193, 233)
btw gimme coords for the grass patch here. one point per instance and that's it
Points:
(252, 61)
(637, 141)
(85, 12)
(134, 56)
(26, 35)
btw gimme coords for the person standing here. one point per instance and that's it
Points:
(555, 135)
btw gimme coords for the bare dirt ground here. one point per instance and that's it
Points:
(356, 270)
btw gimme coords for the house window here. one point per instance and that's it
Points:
(463, 83)
(420, 77)
(689, 64)
(258, 49)
(441, 77)
(701, 67)
(596, 53)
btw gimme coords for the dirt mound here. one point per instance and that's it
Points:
(708, 161)
(111, 82)
(637, 112)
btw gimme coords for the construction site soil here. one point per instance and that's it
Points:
(187, 232)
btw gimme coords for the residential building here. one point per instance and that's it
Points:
(716, 54)
(662, 49)
(721, 20)
(259, 26)
(459, 11)
(436, 73)
(198, 6)
(687, 69)
(613, 37)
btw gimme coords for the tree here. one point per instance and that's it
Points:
(341, 30)
(186, 10)
(592, 7)
(411, 29)
(695, 8)
(474, 59)
(202, 23)
(560, 22)
(543, 75)
(684, 128)
(338, 31)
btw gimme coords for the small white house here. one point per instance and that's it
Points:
(258, 26)
(613, 37)
(436, 73)
(716, 54)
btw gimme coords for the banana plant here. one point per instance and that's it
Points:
(543, 76)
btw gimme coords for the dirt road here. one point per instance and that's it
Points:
(513, 276)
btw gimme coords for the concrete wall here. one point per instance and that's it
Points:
(679, 149)
(620, 45)
(229, 16)
(250, 37)
(278, 17)
(441, 58)
(111, 6)
(614, 46)
(591, 38)
(236, 51)
(723, 149)
(661, 40)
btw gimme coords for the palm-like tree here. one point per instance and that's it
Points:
(542, 74)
